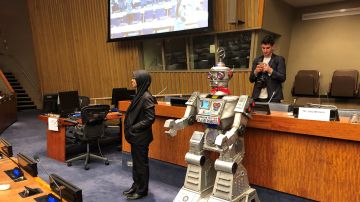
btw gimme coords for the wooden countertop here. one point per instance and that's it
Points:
(278, 121)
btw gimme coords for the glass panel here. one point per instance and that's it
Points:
(152, 55)
(175, 54)
(200, 57)
(237, 48)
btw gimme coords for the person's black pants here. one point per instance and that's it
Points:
(140, 172)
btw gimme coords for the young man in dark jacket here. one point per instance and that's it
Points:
(268, 73)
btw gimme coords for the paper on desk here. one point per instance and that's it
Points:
(53, 124)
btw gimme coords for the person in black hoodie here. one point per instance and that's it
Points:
(139, 118)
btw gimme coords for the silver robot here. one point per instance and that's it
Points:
(225, 118)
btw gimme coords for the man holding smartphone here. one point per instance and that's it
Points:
(268, 73)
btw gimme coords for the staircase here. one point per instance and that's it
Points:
(23, 99)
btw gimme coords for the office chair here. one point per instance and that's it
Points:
(91, 130)
(84, 101)
(306, 83)
(344, 83)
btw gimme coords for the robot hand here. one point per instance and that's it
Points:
(170, 124)
(221, 142)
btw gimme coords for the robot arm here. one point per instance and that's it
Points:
(188, 118)
(242, 115)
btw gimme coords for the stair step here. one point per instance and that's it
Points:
(9, 77)
(19, 90)
(12, 79)
(8, 73)
(22, 107)
(23, 99)
(14, 83)
(17, 87)
(22, 95)
(26, 102)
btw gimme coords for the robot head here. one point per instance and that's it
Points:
(220, 75)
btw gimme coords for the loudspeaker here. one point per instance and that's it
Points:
(50, 103)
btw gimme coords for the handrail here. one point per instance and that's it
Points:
(175, 94)
(95, 99)
(100, 98)
(6, 82)
(26, 75)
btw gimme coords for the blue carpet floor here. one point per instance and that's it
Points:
(101, 182)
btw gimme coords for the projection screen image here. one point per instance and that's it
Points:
(130, 18)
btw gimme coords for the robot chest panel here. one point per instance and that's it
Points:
(210, 110)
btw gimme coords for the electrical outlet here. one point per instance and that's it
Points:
(129, 163)
(212, 48)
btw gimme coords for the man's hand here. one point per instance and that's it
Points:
(267, 69)
(258, 69)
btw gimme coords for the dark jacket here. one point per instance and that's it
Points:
(273, 82)
(139, 119)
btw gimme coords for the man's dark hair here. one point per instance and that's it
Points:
(268, 39)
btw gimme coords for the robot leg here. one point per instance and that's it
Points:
(232, 184)
(200, 174)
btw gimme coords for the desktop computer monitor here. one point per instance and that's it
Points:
(131, 94)
(68, 103)
(50, 102)
(118, 94)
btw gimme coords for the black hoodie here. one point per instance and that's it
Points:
(141, 113)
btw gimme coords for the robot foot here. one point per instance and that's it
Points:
(187, 195)
(248, 196)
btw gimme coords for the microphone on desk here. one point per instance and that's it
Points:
(37, 159)
(17, 171)
(162, 91)
(272, 96)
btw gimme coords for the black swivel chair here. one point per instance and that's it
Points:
(91, 130)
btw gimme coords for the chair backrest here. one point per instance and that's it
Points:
(84, 101)
(306, 83)
(93, 118)
(344, 83)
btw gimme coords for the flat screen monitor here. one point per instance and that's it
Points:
(148, 18)
(68, 102)
(6, 147)
(131, 94)
(50, 103)
(69, 191)
(118, 94)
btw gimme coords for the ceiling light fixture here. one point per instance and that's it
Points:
(331, 14)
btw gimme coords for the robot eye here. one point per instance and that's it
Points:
(220, 75)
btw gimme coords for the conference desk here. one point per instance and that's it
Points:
(8, 112)
(55, 140)
(12, 194)
(312, 159)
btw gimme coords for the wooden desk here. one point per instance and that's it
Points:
(16, 187)
(55, 140)
(8, 112)
(311, 159)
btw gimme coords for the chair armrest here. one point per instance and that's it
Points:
(71, 121)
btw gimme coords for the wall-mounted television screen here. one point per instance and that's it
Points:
(144, 18)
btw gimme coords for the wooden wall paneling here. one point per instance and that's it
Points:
(261, 13)
(71, 55)
(322, 165)
(197, 82)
